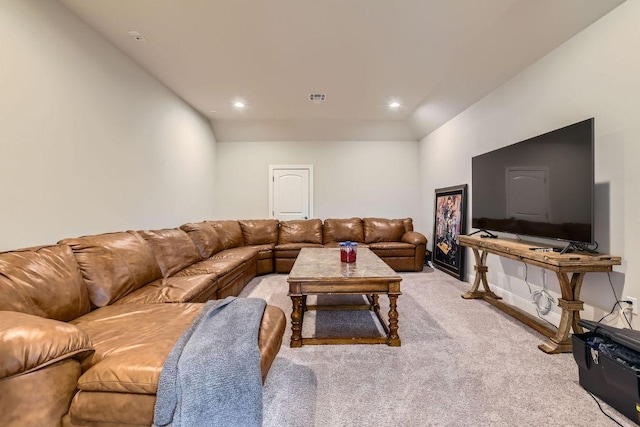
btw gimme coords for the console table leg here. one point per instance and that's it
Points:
(296, 321)
(481, 277)
(394, 338)
(571, 306)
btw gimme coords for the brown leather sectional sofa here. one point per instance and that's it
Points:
(86, 325)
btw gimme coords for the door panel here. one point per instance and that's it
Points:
(291, 193)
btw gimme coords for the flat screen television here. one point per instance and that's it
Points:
(540, 187)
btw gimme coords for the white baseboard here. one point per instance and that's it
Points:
(525, 304)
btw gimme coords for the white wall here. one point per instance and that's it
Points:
(595, 74)
(89, 142)
(371, 178)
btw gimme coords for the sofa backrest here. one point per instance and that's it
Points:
(172, 248)
(259, 231)
(383, 230)
(44, 281)
(230, 233)
(205, 237)
(300, 231)
(342, 230)
(114, 264)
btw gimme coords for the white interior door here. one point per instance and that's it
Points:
(291, 192)
(528, 194)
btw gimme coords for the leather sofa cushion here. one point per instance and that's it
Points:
(205, 236)
(29, 342)
(265, 251)
(200, 288)
(172, 248)
(342, 230)
(245, 253)
(114, 264)
(294, 247)
(393, 249)
(44, 281)
(108, 409)
(217, 266)
(125, 363)
(259, 231)
(291, 250)
(230, 233)
(408, 224)
(300, 231)
(383, 230)
(131, 359)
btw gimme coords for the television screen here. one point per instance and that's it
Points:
(540, 187)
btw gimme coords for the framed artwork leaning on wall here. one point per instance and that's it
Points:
(450, 213)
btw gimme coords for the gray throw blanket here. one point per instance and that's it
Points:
(212, 376)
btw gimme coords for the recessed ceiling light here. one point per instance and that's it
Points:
(137, 36)
(394, 104)
(239, 104)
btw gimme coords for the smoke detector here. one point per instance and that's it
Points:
(317, 98)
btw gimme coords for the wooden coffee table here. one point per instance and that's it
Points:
(318, 271)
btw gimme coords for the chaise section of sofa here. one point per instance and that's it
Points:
(61, 353)
(120, 379)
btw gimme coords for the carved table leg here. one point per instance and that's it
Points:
(481, 277)
(296, 321)
(394, 338)
(571, 307)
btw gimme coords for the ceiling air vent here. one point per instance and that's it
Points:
(317, 98)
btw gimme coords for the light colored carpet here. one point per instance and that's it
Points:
(462, 363)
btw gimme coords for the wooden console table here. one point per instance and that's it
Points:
(576, 264)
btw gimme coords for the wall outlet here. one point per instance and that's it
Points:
(634, 304)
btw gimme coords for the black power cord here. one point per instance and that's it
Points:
(602, 410)
(616, 303)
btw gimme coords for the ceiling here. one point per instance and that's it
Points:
(435, 57)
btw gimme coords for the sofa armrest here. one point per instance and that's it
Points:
(414, 238)
(28, 343)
